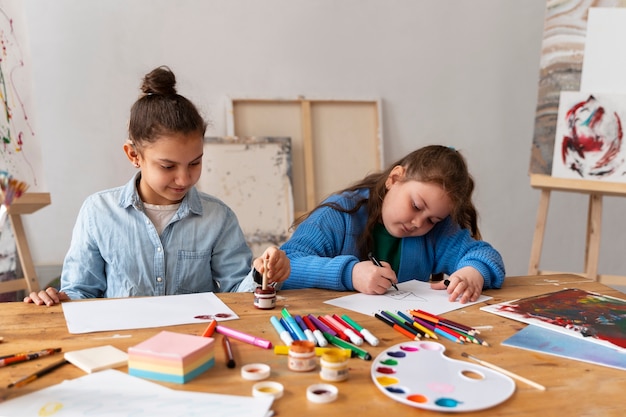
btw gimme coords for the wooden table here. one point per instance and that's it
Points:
(573, 388)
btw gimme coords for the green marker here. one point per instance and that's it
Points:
(367, 335)
(362, 354)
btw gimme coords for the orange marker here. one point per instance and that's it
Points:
(211, 329)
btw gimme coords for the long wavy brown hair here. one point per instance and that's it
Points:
(436, 164)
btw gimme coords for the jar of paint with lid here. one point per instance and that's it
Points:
(334, 366)
(265, 299)
(302, 356)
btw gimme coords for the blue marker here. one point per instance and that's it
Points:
(282, 332)
(307, 332)
(287, 327)
(292, 323)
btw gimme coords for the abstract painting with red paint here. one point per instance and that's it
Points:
(594, 317)
(589, 137)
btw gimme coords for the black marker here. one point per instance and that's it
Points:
(377, 263)
(446, 282)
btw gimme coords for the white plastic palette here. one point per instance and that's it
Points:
(420, 375)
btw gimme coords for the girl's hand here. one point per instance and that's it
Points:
(466, 284)
(48, 297)
(278, 265)
(371, 279)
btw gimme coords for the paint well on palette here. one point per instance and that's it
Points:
(423, 377)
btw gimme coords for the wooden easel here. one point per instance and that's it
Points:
(596, 190)
(26, 204)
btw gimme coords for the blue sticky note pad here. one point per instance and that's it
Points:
(546, 341)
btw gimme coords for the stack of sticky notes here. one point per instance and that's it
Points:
(97, 358)
(171, 357)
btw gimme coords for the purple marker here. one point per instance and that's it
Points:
(318, 323)
(307, 332)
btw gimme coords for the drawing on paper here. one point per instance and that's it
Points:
(589, 137)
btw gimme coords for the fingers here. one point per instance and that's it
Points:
(368, 278)
(48, 297)
(274, 263)
(462, 290)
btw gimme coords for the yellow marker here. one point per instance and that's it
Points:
(319, 351)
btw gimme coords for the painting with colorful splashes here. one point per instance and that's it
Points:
(420, 375)
(20, 153)
(589, 137)
(562, 54)
(587, 315)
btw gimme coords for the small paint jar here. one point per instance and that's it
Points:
(265, 299)
(334, 366)
(302, 356)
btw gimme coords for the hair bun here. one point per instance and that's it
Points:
(161, 81)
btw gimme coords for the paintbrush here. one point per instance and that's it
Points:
(505, 372)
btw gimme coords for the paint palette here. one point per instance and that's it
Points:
(420, 375)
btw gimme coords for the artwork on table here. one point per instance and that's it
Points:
(587, 315)
(411, 295)
(563, 49)
(589, 137)
(538, 339)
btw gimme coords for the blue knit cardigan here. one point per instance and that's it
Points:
(323, 249)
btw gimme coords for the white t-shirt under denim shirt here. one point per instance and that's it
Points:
(116, 250)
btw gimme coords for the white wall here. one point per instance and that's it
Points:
(460, 73)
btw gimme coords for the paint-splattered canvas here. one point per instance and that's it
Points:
(589, 137)
(591, 316)
(20, 153)
(562, 53)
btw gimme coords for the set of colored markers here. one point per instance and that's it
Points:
(421, 324)
(323, 330)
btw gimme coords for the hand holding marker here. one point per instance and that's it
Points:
(377, 263)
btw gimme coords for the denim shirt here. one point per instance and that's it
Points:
(116, 251)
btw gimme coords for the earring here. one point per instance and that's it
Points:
(136, 164)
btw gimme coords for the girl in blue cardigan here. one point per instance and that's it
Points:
(417, 217)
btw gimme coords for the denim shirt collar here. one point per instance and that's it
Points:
(130, 197)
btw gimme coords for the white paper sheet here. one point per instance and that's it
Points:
(411, 295)
(117, 394)
(144, 312)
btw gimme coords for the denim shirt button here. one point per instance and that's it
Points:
(159, 279)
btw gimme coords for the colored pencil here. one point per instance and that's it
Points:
(401, 323)
(396, 327)
(410, 320)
